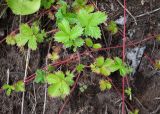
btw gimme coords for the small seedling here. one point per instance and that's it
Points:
(83, 87)
(112, 27)
(54, 56)
(18, 87)
(80, 68)
(128, 91)
(105, 85)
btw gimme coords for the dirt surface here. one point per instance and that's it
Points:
(145, 83)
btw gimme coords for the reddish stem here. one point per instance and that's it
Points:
(123, 57)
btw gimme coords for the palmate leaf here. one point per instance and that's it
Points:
(59, 84)
(69, 36)
(24, 7)
(30, 35)
(90, 22)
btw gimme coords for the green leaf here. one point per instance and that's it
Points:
(63, 13)
(118, 61)
(21, 7)
(32, 43)
(69, 36)
(40, 76)
(52, 78)
(97, 46)
(90, 22)
(29, 35)
(99, 61)
(8, 88)
(47, 3)
(82, 4)
(19, 86)
(105, 85)
(76, 32)
(10, 40)
(128, 91)
(97, 18)
(64, 26)
(92, 31)
(112, 27)
(60, 84)
(89, 42)
(105, 71)
(123, 71)
(54, 90)
(78, 43)
(80, 68)
(61, 37)
(95, 69)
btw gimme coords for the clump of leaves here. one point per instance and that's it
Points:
(59, 83)
(105, 85)
(18, 87)
(102, 66)
(31, 35)
(24, 7)
(128, 91)
(107, 66)
(90, 21)
(47, 3)
(69, 36)
(112, 27)
(8, 88)
(40, 76)
(82, 87)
